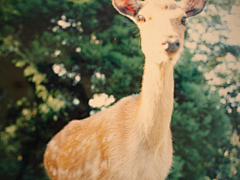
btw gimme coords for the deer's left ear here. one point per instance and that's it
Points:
(127, 7)
(192, 7)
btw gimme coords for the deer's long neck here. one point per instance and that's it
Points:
(156, 102)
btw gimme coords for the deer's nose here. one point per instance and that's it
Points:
(171, 44)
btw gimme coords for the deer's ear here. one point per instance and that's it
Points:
(193, 7)
(127, 7)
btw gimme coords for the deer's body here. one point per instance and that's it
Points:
(107, 145)
(103, 148)
(132, 139)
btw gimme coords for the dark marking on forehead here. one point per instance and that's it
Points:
(167, 5)
(171, 6)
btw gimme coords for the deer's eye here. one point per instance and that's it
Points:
(183, 20)
(141, 19)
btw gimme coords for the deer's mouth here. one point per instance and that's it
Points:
(174, 56)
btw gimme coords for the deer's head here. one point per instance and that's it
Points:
(161, 24)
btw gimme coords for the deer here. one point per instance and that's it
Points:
(132, 139)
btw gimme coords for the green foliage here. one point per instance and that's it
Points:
(198, 124)
(67, 52)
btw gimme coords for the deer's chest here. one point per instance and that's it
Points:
(144, 165)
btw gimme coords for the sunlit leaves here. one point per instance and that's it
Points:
(19, 63)
(36, 76)
(79, 1)
(55, 103)
(42, 92)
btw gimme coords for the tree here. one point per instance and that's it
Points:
(34, 40)
(217, 51)
(199, 124)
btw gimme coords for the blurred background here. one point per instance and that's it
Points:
(62, 60)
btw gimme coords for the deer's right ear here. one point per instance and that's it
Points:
(127, 7)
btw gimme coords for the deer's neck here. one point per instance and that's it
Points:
(156, 102)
